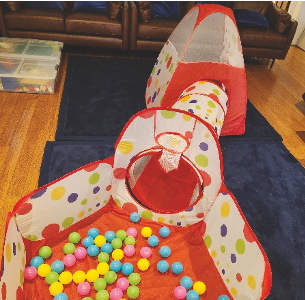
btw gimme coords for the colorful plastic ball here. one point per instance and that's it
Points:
(143, 264)
(45, 252)
(36, 261)
(93, 232)
(102, 268)
(146, 232)
(115, 266)
(177, 268)
(118, 254)
(121, 234)
(135, 217)
(116, 243)
(61, 296)
(56, 288)
(116, 294)
(69, 248)
(92, 275)
(122, 283)
(57, 266)
(83, 288)
(130, 240)
(165, 251)
(164, 232)
(134, 278)
(100, 240)
(107, 248)
(192, 295)
(30, 273)
(127, 269)
(199, 287)
(79, 277)
(102, 295)
(223, 297)
(162, 266)
(65, 277)
(110, 277)
(74, 237)
(179, 292)
(88, 241)
(109, 235)
(80, 252)
(52, 277)
(129, 250)
(145, 252)
(187, 282)
(132, 232)
(153, 241)
(69, 260)
(103, 257)
(93, 250)
(100, 284)
(43, 270)
(133, 292)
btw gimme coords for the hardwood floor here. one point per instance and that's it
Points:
(28, 121)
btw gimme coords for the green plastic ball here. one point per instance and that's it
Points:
(52, 277)
(103, 257)
(102, 295)
(74, 237)
(110, 277)
(45, 252)
(134, 278)
(99, 284)
(69, 248)
(116, 243)
(121, 234)
(130, 240)
(133, 292)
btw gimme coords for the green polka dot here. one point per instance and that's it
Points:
(32, 237)
(216, 92)
(234, 38)
(84, 202)
(21, 278)
(167, 57)
(240, 246)
(228, 280)
(217, 263)
(222, 249)
(201, 160)
(89, 209)
(153, 71)
(208, 241)
(94, 178)
(166, 114)
(146, 214)
(19, 246)
(170, 222)
(211, 104)
(105, 201)
(171, 67)
(198, 107)
(118, 202)
(67, 222)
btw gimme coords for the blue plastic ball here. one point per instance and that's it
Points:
(135, 217)
(186, 282)
(127, 269)
(192, 295)
(164, 232)
(109, 236)
(93, 232)
(107, 248)
(162, 266)
(165, 251)
(116, 266)
(36, 261)
(177, 268)
(88, 241)
(153, 241)
(61, 296)
(57, 266)
(223, 297)
(93, 250)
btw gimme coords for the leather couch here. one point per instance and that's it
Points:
(256, 42)
(82, 28)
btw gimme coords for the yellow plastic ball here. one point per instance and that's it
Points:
(43, 270)
(199, 287)
(102, 268)
(56, 288)
(118, 254)
(146, 232)
(100, 240)
(92, 275)
(79, 277)
(143, 264)
(65, 277)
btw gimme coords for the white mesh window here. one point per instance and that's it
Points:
(182, 33)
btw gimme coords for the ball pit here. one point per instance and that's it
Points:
(102, 268)
(56, 288)
(100, 240)
(92, 275)
(88, 241)
(132, 232)
(43, 270)
(135, 217)
(103, 257)
(162, 266)
(179, 292)
(109, 235)
(110, 277)
(127, 269)
(133, 292)
(145, 252)
(69, 260)
(143, 264)
(102, 295)
(134, 278)
(164, 232)
(36, 261)
(186, 282)
(79, 277)
(93, 250)
(146, 232)
(57, 266)
(52, 277)
(153, 241)
(199, 287)
(80, 252)
(65, 277)
(100, 284)
(116, 294)
(30, 273)
(45, 252)
(129, 250)
(130, 240)
(93, 232)
(69, 248)
(121, 234)
(123, 283)
(107, 248)
(192, 295)
(115, 266)
(165, 251)
(177, 268)
(74, 237)
(84, 288)
(116, 243)
(118, 254)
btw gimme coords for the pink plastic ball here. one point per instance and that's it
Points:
(80, 252)
(83, 288)
(116, 294)
(132, 232)
(69, 260)
(145, 252)
(122, 283)
(30, 273)
(129, 250)
(180, 292)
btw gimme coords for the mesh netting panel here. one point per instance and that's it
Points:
(183, 31)
(207, 42)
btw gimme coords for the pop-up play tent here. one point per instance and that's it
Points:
(187, 237)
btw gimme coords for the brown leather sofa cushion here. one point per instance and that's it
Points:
(114, 9)
(145, 10)
(13, 5)
(35, 19)
(92, 23)
(258, 6)
(278, 19)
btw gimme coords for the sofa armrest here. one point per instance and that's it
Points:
(133, 25)
(125, 25)
(289, 32)
(2, 24)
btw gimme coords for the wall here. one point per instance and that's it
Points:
(297, 11)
